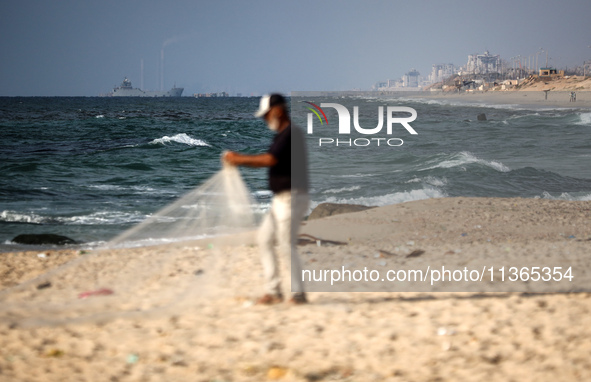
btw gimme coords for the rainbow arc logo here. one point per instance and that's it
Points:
(316, 112)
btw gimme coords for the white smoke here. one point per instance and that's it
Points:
(167, 42)
(178, 38)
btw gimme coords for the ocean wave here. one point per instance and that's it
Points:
(433, 181)
(134, 189)
(160, 241)
(479, 103)
(387, 199)
(15, 217)
(465, 157)
(581, 197)
(584, 119)
(265, 194)
(102, 217)
(467, 103)
(358, 175)
(180, 138)
(339, 190)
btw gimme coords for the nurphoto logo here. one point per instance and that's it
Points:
(344, 116)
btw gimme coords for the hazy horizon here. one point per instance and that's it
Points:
(69, 48)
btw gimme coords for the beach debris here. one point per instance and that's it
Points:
(329, 209)
(199, 272)
(481, 117)
(384, 254)
(251, 370)
(44, 285)
(42, 255)
(178, 360)
(305, 239)
(443, 331)
(410, 243)
(98, 292)
(276, 372)
(464, 234)
(210, 246)
(415, 253)
(54, 353)
(571, 237)
(382, 263)
(132, 358)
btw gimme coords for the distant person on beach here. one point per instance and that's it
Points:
(288, 179)
(573, 97)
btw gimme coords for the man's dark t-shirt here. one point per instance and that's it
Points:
(289, 145)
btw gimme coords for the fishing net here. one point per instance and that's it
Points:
(135, 274)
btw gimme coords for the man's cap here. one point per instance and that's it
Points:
(267, 102)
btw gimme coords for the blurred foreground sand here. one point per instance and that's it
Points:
(348, 336)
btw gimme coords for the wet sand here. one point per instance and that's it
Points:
(526, 99)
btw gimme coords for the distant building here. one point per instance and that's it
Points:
(551, 72)
(411, 79)
(483, 64)
(440, 72)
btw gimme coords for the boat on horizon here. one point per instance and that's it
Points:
(126, 90)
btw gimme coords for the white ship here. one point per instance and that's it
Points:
(126, 90)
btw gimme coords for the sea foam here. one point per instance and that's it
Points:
(180, 138)
(466, 157)
(584, 119)
(387, 199)
(582, 197)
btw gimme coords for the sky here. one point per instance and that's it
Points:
(85, 47)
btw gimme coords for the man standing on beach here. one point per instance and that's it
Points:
(288, 179)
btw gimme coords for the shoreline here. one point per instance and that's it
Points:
(530, 335)
(527, 99)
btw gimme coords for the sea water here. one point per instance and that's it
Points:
(90, 168)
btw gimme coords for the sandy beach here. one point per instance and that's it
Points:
(373, 336)
(526, 98)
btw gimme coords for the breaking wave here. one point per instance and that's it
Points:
(95, 218)
(581, 197)
(180, 138)
(584, 119)
(387, 199)
(464, 158)
(339, 190)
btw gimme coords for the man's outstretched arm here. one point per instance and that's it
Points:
(258, 160)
